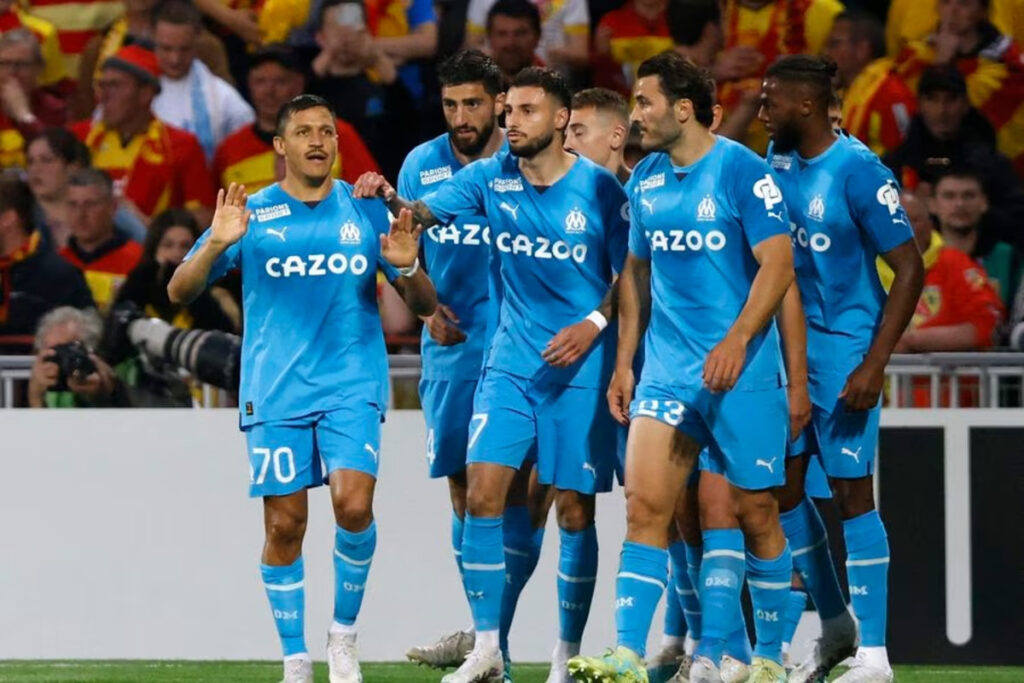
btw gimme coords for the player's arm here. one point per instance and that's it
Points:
(572, 342)
(774, 276)
(634, 303)
(229, 225)
(793, 327)
(400, 248)
(372, 184)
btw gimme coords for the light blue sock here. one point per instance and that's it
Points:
(457, 531)
(737, 645)
(520, 560)
(287, 596)
(643, 575)
(679, 590)
(721, 579)
(769, 581)
(867, 568)
(691, 606)
(577, 575)
(483, 569)
(794, 612)
(812, 558)
(353, 553)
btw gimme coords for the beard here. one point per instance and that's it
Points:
(786, 137)
(531, 148)
(474, 146)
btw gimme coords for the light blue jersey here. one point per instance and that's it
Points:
(558, 248)
(697, 226)
(457, 256)
(844, 208)
(312, 340)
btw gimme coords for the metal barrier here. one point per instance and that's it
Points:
(982, 380)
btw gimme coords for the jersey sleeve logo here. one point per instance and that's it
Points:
(575, 222)
(705, 210)
(766, 190)
(349, 233)
(889, 197)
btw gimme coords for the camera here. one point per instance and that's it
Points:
(72, 359)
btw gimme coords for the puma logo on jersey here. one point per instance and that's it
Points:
(277, 233)
(853, 454)
(649, 204)
(767, 464)
(369, 449)
(590, 468)
(776, 214)
(514, 210)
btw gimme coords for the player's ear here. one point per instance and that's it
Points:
(562, 118)
(499, 104)
(279, 145)
(618, 137)
(683, 109)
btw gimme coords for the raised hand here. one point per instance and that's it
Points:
(231, 218)
(401, 246)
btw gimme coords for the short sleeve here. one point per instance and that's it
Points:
(759, 204)
(638, 244)
(615, 214)
(462, 194)
(376, 212)
(874, 199)
(406, 189)
(227, 261)
(420, 12)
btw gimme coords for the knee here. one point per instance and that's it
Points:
(716, 512)
(353, 513)
(482, 501)
(758, 513)
(644, 512)
(791, 495)
(284, 532)
(855, 497)
(575, 511)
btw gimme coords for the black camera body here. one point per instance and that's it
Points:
(72, 359)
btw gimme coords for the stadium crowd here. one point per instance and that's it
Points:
(119, 122)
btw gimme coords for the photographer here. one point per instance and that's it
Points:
(67, 373)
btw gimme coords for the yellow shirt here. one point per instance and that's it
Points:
(911, 20)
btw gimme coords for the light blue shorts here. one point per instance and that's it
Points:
(447, 409)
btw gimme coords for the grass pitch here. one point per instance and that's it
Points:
(270, 672)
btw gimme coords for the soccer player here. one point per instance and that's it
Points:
(558, 227)
(709, 263)
(598, 129)
(846, 211)
(314, 367)
(456, 336)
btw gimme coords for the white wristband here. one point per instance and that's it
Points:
(598, 319)
(409, 271)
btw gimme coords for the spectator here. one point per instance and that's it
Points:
(960, 205)
(513, 34)
(68, 336)
(27, 108)
(191, 96)
(598, 129)
(134, 27)
(154, 165)
(51, 157)
(697, 32)
(103, 255)
(170, 237)
(757, 32)
(911, 20)
(360, 83)
(564, 31)
(878, 104)
(12, 16)
(624, 38)
(958, 310)
(989, 61)
(77, 22)
(405, 32)
(247, 155)
(948, 133)
(33, 279)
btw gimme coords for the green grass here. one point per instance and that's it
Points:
(269, 672)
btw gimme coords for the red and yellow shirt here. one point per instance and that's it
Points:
(106, 268)
(54, 66)
(911, 20)
(631, 39)
(878, 106)
(157, 169)
(247, 156)
(76, 21)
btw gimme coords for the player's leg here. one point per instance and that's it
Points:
(812, 556)
(282, 465)
(502, 431)
(794, 613)
(523, 538)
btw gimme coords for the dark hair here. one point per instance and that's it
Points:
(179, 13)
(687, 19)
(471, 66)
(836, 101)
(297, 104)
(163, 222)
(942, 79)
(16, 196)
(964, 172)
(65, 145)
(681, 79)
(548, 80)
(603, 99)
(517, 9)
(815, 72)
(276, 53)
(331, 4)
(91, 177)
(864, 26)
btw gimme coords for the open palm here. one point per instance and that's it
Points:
(231, 218)
(401, 246)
